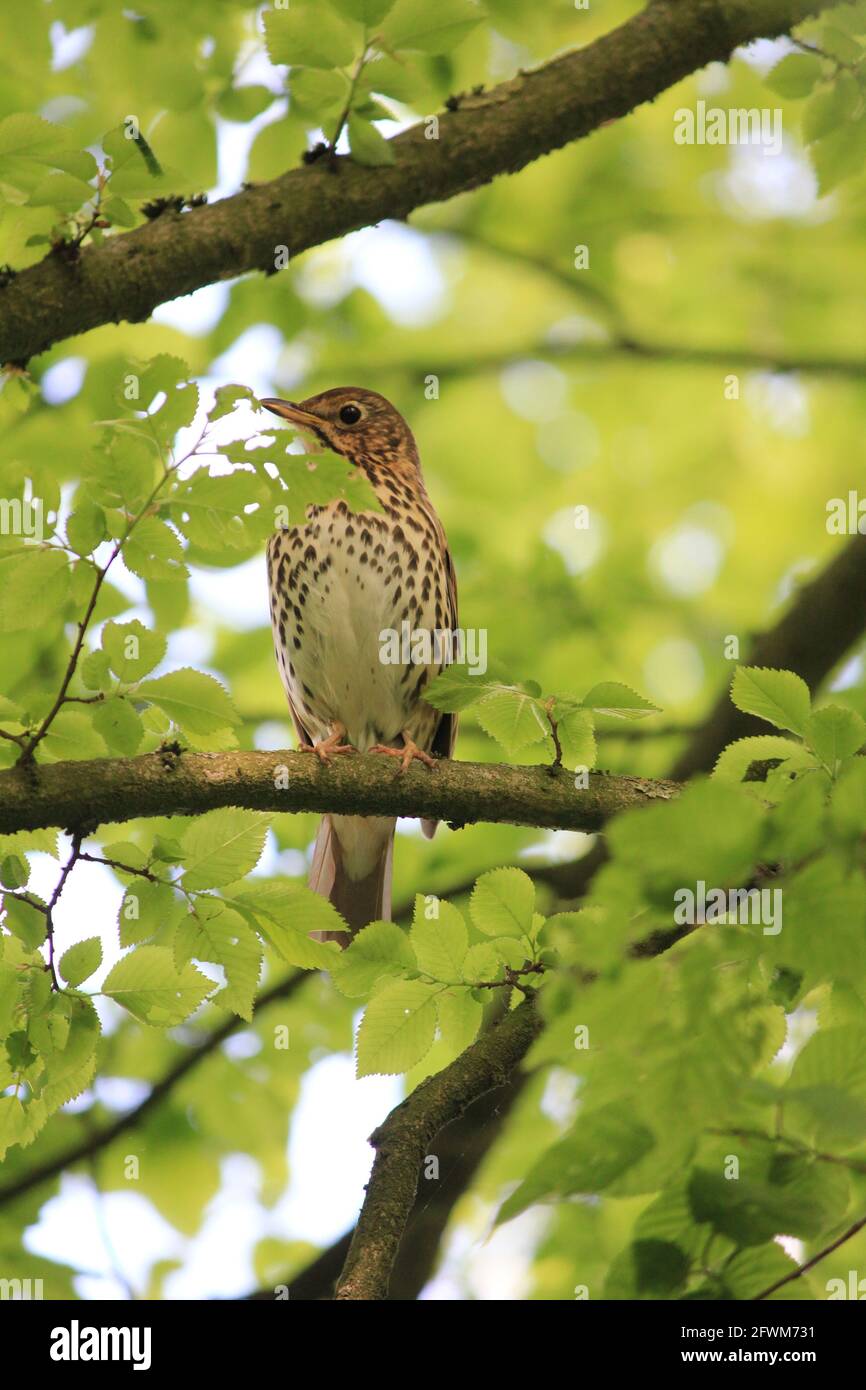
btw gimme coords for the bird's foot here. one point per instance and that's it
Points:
(326, 748)
(407, 754)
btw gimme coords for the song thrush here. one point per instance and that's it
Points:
(337, 583)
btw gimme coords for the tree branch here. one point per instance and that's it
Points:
(87, 794)
(490, 133)
(404, 1140)
(816, 1259)
(814, 633)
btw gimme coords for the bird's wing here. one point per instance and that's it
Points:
(304, 737)
(446, 733)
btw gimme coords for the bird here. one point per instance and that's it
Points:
(337, 583)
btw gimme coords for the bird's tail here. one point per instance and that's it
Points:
(352, 869)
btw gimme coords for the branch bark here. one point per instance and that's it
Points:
(404, 1140)
(86, 794)
(813, 634)
(491, 133)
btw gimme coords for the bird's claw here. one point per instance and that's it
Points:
(326, 748)
(407, 754)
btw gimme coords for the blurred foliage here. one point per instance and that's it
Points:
(628, 494)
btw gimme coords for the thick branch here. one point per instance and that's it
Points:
(827, 616)
(404, 1140)
(497, 132)
(87, 794)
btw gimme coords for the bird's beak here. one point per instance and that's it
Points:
(287, 410)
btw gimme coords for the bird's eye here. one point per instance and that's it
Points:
(350, 414)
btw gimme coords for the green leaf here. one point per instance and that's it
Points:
(503, 903)
(154, 551)
(513, 718)
(147, 908)
(95, 671)
(780, 697)
(119, 724)
(367, 144)
(835, 733)
(840, 154)
(285, 914)
(848, 802)
(364, 11)
(795, 75)
(482, 962)
(14, 871)
(830, 107)
(318, 93)
(576, 730)
(223, 846)
(613, 698)
(25, 921)
(85, 528)
(397, 1029)
(147, 984)
(455, 689)
(460, 1018)
(34, 584)
(378, 949)
(81, 960)
(418, 25)
(196, 702)
(735, 761)
(307, 38)
(828, 1079)
(600, 1147)
(224, 937)
(132, 649)
(440, 943)
(227, 397)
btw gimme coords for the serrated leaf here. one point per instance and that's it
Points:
(455, 689)
(378, 949)
(119, 724)
(132, 649)
(194, 701)
(81, 960)
(367, 144)
(620, 701)
(302, 37)
(419, 26)
(440, 943)
(737, 758)
(364, 11)
(512, 717)
(780, 697)
(226, 939)
(154, 551)
(397, 1029)
(223, 846)
(601, 1146)
(503, 903)
(795, 75)
(835, 733)
(147, 984)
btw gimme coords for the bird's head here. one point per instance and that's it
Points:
(360, 424)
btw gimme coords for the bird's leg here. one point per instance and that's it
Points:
(330, 745)
(406, 754)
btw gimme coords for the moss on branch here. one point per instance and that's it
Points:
(88, 794)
